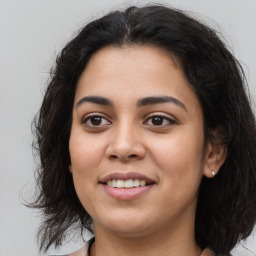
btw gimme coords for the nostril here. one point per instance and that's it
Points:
(132, 156)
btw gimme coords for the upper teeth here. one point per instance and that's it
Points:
(126, 183)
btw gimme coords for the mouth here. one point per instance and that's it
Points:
(126, 186)
(126, 180)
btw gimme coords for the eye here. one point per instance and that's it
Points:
(95, 121)
(159, 120)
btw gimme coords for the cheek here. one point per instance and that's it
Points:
(178, 150)
(85, 154)
(179, 160)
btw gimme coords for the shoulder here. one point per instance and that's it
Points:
(84, 251)
(81, 252)
(207, 252)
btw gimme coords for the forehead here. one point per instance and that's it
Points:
(132, 73)
(125, 63)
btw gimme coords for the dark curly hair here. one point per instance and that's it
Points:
(226, 209)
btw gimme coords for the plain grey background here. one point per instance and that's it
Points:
(32, 32)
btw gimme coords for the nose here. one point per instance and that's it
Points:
(125, 144)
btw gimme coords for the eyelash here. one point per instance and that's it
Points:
(89, 119)
(164, 121)
(163, 118)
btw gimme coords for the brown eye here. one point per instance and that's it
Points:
(158, 120)
(95, 121)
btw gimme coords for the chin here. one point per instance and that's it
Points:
(126, 225)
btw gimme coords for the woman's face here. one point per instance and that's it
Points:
(137, 142)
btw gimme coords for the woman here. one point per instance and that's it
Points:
(147, 139)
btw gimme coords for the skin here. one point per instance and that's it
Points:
(126, 138)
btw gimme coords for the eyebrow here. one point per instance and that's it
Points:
(140, 103)
(160, 99)
(96, 100)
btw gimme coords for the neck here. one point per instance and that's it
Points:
(171, 242)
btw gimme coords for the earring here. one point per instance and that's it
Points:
(213, 173)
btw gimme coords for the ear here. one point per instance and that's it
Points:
(70, 168)
(214, 158)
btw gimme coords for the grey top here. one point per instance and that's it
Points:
(84, 251)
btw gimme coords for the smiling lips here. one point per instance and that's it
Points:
(126, 186)
(126, 183)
